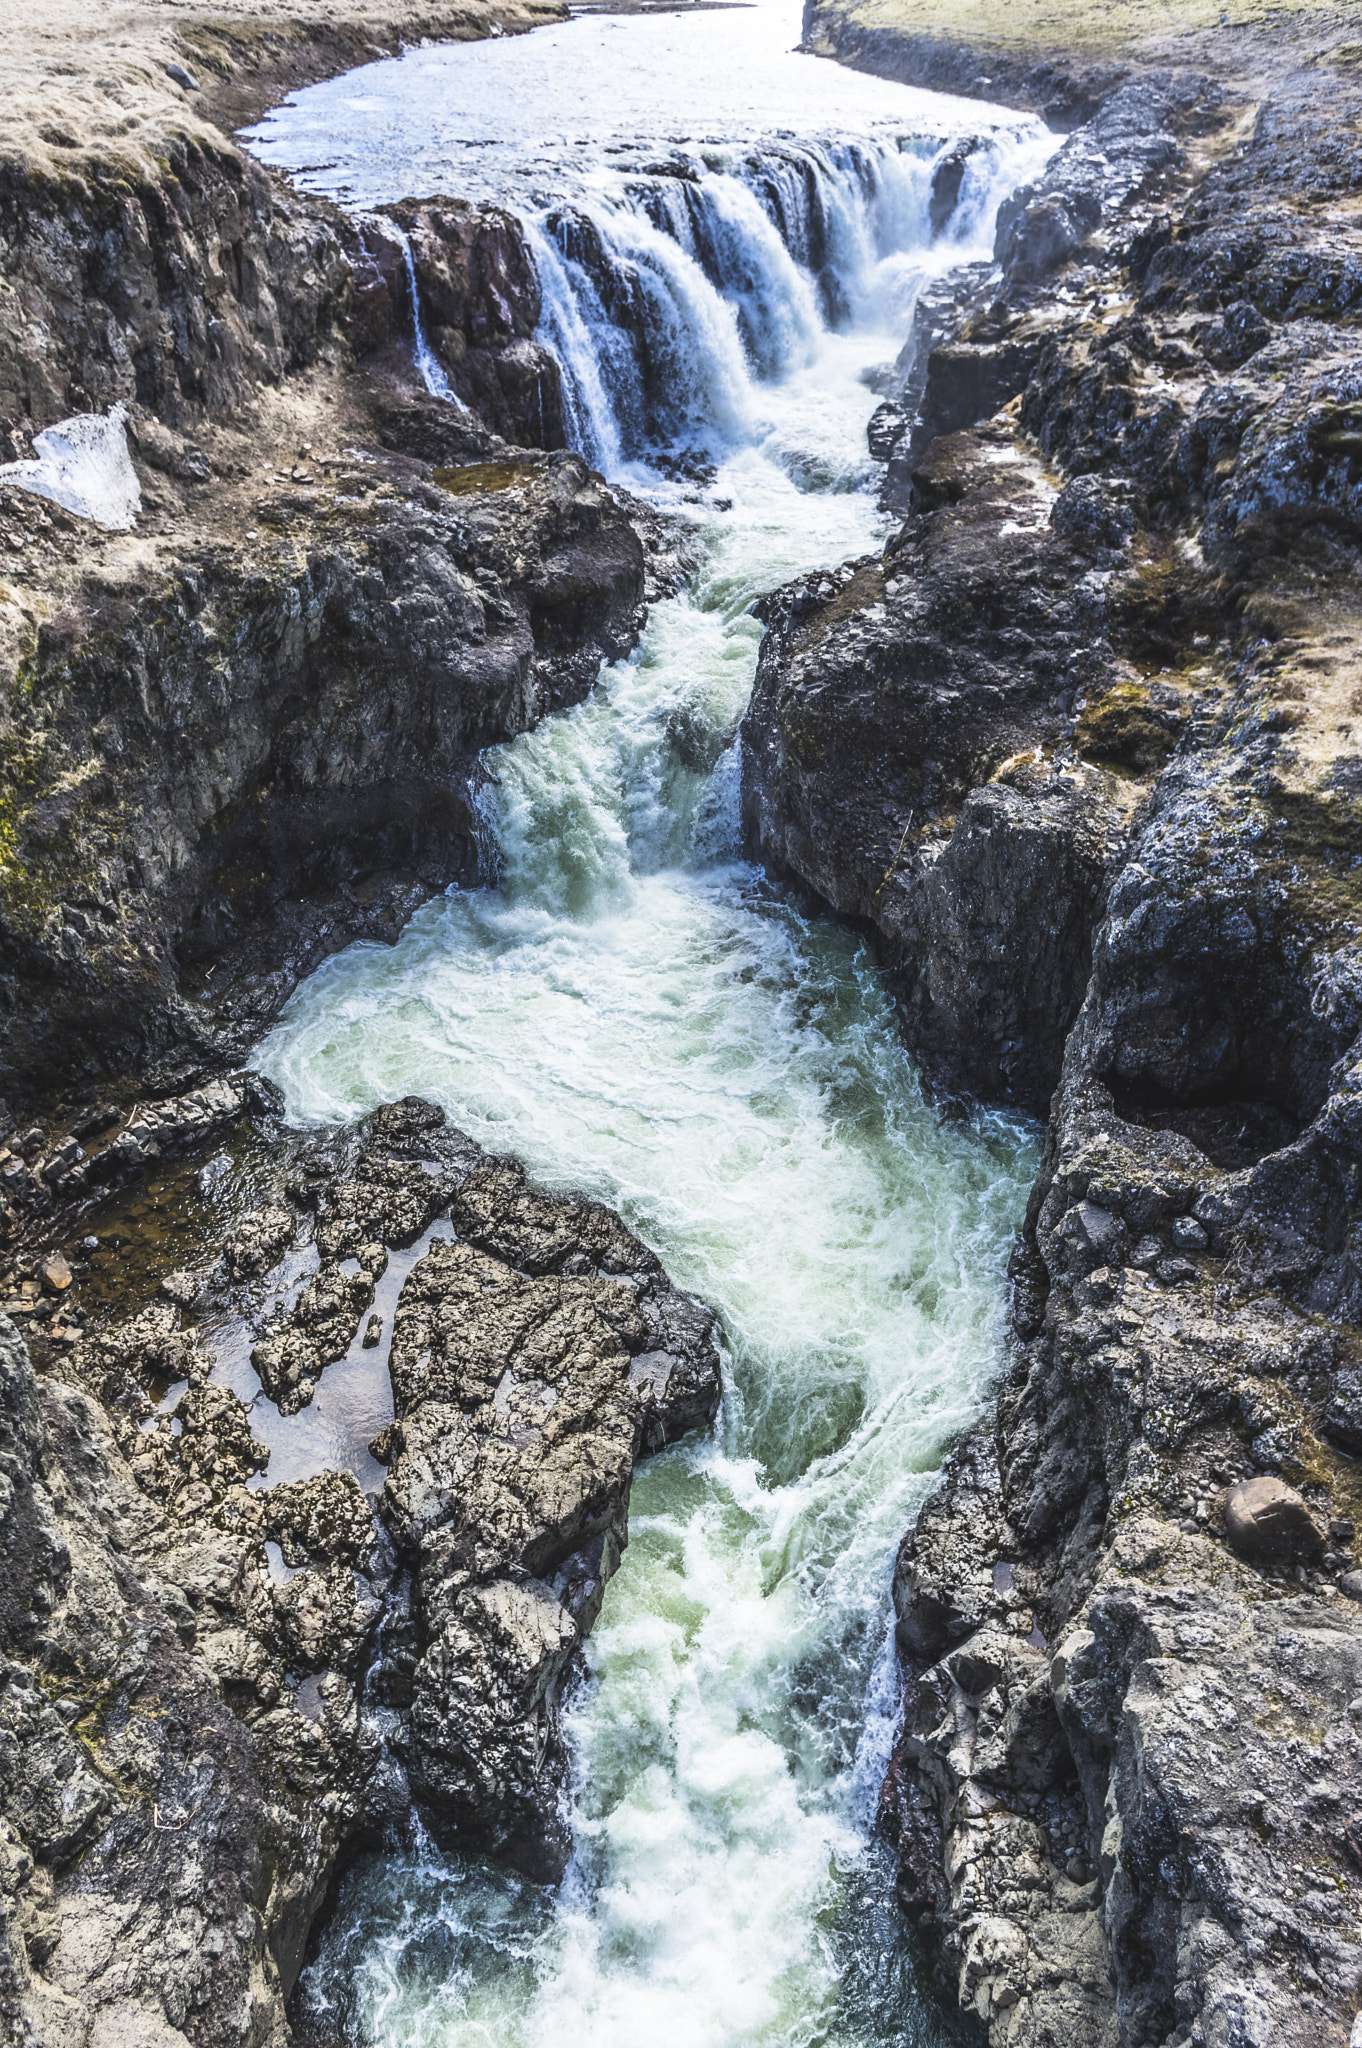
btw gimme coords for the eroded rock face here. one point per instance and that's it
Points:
(480, 306)
(187, 288)
(212, 751)
(200, 285)
(210, 1687)
(895, 757)
(245, 732)
(163, 1854)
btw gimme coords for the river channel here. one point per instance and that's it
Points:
(633, 1008)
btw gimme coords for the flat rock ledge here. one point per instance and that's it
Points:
(213, 1690)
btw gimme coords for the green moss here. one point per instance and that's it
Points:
(1320, 824)
(1124, 729)
(22, 900)
(807, 746)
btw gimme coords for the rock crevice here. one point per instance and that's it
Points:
(214, 1689)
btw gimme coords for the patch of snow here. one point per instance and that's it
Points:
(83, 464)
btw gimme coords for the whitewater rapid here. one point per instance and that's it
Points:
(728, 236)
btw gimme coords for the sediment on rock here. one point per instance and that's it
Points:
(214, 1689)
(1080, 747)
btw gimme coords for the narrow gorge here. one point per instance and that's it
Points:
(678, 1300)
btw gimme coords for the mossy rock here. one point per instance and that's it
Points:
(1127, 729)
(473, 477)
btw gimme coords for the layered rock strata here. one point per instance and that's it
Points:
(204, 748)
(213, 1689)
(1081, 748)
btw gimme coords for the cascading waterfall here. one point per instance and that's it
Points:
(427, 362)
(728, 237)
(672, 295)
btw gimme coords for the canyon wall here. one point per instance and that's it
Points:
(1082, 748)
(233, 738)
(245, 733)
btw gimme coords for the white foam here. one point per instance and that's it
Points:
(83, 464)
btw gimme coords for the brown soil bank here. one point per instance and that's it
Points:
(1084, 747)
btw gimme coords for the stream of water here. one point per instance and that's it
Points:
(728, 235)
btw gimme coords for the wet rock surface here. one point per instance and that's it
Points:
(1080, 748)
(214, 1688)
(480, 305)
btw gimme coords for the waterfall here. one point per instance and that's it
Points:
(730, 241)
(432, 371)
(671, 295)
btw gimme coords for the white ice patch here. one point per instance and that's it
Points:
(83, 464)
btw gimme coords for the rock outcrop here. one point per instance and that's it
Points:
(1080, 748)
(212, 1687)
(196, 750)
(480, 304)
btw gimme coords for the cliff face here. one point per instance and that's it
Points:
(199, 750)
(182, 290)
(234, 737)
(1082, 748)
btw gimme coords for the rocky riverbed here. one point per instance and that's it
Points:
(1082, 747)
(212, 1690)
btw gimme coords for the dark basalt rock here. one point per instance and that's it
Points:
(182, 294)
(894, 758)
(183, 1715)
(976, 342)
(341, 689)
(480, 306)
(1267, 1522)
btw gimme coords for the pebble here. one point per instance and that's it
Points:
(56, 1274)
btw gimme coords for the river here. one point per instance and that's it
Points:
(634, 1009)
